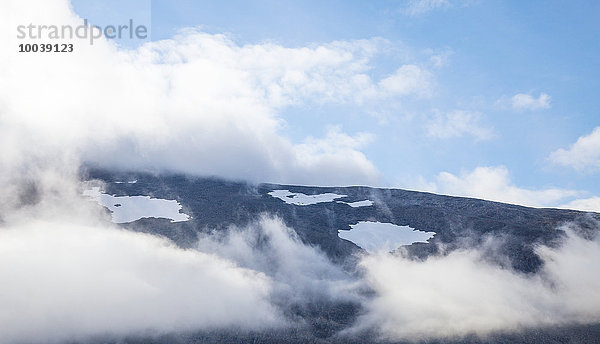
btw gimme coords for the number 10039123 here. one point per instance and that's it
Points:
(45, 48)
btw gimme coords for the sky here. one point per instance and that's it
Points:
(484, 99)
(487, 99)
(508, 84)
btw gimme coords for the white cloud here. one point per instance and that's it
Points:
(299, 272)
(524, 101)
(70, 280)
(406, 80)
(127, 283)
(337, 153)
(459, 123)
(584, 154)
(198, 103)
(494, 184)
(69, 274)
(584, 204)
(460, 294)
(418, 7)
(439, 58)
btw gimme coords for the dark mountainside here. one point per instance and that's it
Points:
(458, 222)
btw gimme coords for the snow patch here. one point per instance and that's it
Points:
(378, 236)
(126, 209)
(365, 203)
(302, 199)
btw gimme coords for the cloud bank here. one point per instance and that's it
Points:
(493, 183)
(197, 103)
(299, 272)
(71, 275)
(63, 281)
(583, 155)
(460, 294)
(584, 204)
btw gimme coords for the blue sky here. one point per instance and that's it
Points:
(479, 56)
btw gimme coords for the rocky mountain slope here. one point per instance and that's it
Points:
(319, 215)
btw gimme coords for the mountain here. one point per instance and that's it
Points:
(322, 216)
(217, 204)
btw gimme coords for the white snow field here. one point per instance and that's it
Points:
(302, 199)
(131, 208)
(378, 236)
(365, 203)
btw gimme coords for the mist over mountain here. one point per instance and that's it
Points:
(136, 257)
(458, 222)
(485, 261)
